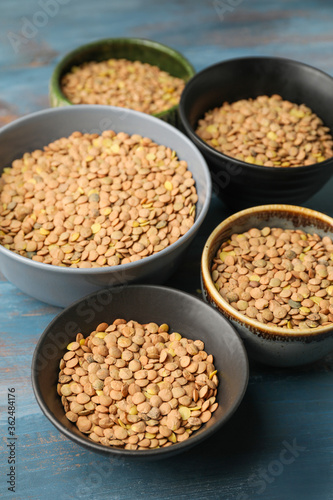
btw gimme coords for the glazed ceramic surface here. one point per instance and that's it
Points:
(133, 49)
(270, 345)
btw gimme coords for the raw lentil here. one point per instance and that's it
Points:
(295, 290)
(54, 220)
(267, 131)
(121, 412)
(123, 83)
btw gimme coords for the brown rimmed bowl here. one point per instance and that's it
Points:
(183, 313)
(274, 346)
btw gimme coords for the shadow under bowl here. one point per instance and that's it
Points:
(270, 345)
(240, 184)
(143, 303)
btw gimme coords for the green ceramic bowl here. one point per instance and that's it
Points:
(132, 49)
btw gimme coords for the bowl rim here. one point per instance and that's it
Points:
(54, 85)
(252, 324)
(99, 448)
(151, 258)
(222, 156)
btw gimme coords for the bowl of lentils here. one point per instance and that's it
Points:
(134, 73)
(143, 372)
(269, 270)
(264, 125)
(96, 196)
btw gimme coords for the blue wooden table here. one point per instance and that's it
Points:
(279, 444)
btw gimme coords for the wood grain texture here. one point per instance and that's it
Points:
(282, 408)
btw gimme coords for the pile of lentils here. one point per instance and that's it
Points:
(123, 83)
(280, 277)
(136, 386)
(96, 200)
(267, 131)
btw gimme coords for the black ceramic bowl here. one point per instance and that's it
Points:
(241, 184)
(144, 303)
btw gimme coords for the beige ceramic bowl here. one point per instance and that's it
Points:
(270, 345)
